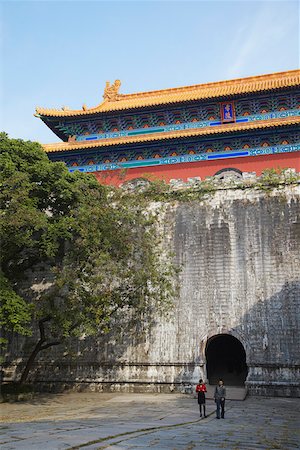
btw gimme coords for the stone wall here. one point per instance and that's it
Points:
(239, 253)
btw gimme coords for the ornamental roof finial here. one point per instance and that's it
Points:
(111, 92)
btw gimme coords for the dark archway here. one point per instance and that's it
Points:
(226, 359)
(228, 173)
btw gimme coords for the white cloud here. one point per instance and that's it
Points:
(265, 37)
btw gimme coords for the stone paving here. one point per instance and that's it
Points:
(138, 421)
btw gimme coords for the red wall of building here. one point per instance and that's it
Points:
(202, 169)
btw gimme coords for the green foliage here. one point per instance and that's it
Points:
(15, 313)
(36, 197)
(99, 243)
(112, 266)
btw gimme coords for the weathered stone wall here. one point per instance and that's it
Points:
(239, 251)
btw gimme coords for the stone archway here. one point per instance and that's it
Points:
(226, 359)
(229, 173)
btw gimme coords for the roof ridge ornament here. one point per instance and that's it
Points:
(111, 92)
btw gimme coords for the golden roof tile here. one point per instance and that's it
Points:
(224, 128)
(183, 94)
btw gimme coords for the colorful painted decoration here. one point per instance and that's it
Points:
(253, 122)
(227, 112)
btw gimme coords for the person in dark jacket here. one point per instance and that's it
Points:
(201, 389)
(220, 395)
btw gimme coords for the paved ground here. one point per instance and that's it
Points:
(156, 421)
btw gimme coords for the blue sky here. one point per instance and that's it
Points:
(56, 53)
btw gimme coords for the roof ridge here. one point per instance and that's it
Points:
(252, 78)
(181, 94)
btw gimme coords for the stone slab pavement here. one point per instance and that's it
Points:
(138, 421)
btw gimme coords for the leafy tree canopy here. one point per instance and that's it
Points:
(101, 244)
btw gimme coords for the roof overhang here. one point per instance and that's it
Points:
(156, 137)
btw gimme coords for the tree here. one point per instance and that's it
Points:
(100, 244)
(15, 313)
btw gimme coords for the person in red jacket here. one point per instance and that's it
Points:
(201, 389)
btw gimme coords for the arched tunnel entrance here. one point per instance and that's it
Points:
(226, 359)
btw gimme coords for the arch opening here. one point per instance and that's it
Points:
(229, 173)
(226, 359)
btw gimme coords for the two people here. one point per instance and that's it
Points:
(219, 396)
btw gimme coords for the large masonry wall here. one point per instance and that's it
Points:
(239, 253)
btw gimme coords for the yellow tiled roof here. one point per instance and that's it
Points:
(225, 128)
(184, 94)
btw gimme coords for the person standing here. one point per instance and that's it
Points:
(201, 389)
(220, 395)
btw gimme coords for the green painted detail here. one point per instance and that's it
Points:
(132, 133)
(140, 163)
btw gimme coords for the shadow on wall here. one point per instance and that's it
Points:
(270, 333)
(262, 352)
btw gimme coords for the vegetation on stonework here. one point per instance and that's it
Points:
(99, 245)
(272, 178)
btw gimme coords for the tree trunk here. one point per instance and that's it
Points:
(41, 345)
